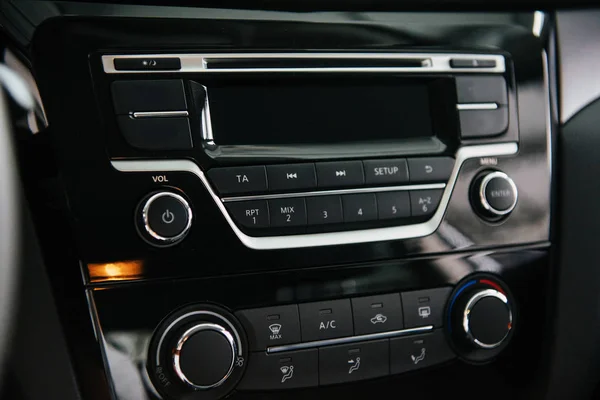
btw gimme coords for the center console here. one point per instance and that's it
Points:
(264, 211)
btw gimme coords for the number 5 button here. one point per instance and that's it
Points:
(324, 210)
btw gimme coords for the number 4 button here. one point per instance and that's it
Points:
(359, 207)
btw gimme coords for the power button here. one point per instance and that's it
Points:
(166, 218)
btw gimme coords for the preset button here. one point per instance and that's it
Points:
(324, 210)
(250, 214)
(359, 207)
(393, 205)
(287, 212)
(425, 202)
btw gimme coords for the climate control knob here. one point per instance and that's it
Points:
(481, 318)
(487, 318)
(204, 355)
(197, 353)
(494, 195)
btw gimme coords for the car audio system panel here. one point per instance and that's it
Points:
(357, 207)
(297, 106)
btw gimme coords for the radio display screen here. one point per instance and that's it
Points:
(319, 112)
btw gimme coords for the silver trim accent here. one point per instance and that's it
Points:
(350, 339)
(186, 335)
(213, 314)
(333, 192)
(469, 307)
(329, 238)
(147, 223)
(477, 106)
(433, 62)
(159, 114)
(483, 198)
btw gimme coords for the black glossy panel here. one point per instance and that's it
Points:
(156, 133)
(483, 123)
(133, 312)
(481, 89)
(148, 95)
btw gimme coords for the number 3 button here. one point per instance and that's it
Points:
(359, 207)
(324, 210)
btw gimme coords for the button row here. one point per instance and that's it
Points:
(273, 178)
(309, 322)
(345, 363)
(319, 210)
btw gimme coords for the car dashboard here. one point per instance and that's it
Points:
(235, 202)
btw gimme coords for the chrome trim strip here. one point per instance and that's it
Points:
(328, 238)
(333, 192)
(476, 106)
(351, 339)
(432, 62)
(159, 114)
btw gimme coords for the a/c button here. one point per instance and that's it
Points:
(326, 320)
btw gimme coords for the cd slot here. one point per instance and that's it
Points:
(277, 63)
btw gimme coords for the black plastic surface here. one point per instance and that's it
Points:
(483, 123)
(156, 133)
(481, 89)
(148, 95)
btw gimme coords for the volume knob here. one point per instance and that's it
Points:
(164, 218)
